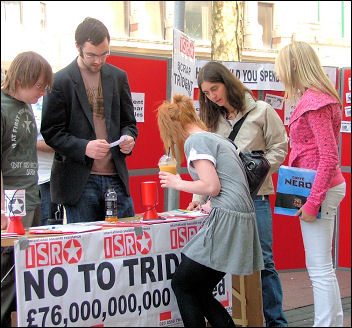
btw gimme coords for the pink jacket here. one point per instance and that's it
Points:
(314, 136)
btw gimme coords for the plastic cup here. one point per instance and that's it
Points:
(167, 164)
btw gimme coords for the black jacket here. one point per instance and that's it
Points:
(67, 126)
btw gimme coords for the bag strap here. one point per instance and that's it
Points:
(237, 127)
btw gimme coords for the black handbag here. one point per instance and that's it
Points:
(255, 164)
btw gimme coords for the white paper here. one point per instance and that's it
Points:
(15, 202)
(65, 228)
(117, 142)
(346, 126)
(289, 108)
(183, 64)
(275, 101)
(138, 102)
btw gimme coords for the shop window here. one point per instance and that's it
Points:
(156, 12)
(265, 19)
(12, 12)
(146, 19)
(43, 15)
(121, 10)
(198, 19)
(330, 19)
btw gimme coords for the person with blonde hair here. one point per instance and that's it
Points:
(228, 241)
(27, 79)
(314, 135)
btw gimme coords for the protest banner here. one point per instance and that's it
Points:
(111, 277)
(183, 64)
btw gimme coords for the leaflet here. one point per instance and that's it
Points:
(117, 142)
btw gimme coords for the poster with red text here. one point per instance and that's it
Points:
(115, 277)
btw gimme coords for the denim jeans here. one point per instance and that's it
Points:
(317, 239)
(91, 205)
(271, 284)
(50, 213)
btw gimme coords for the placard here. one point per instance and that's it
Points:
(115, 277)
(183, 64)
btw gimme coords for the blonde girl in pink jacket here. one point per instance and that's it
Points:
(314, 129)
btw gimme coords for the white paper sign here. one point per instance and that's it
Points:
(289, 108)
(275, 101)
(196, 106)
(183, 64)
(257, 76)
(15, 202)
(345, 127)
(331, 73)
(138, 105)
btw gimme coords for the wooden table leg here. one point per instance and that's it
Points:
(247, 302)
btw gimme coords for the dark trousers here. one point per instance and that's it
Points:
(50, 213)
(193, 284)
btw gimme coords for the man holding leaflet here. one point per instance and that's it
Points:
(88, 110)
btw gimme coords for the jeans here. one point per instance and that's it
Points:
(317, 239)
(193, 285)
(91, 205)
(50, 213)
(271, 284)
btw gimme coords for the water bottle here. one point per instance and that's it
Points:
(111, 205)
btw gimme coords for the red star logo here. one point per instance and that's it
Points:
(144, 243)
(72, 251)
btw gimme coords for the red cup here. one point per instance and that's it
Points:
(149, 194)
(15, 225)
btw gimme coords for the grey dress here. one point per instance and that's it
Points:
(228, 241)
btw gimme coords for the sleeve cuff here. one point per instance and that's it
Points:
(311, 209)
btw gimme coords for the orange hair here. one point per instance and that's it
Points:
(173, 118)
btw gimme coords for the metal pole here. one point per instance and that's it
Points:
(179, 22)
(173, 196)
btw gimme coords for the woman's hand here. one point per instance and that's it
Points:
(192, 206)
(206, 208)
(305, 216)
(169, 180)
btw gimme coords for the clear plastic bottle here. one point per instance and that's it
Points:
(111, 205)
